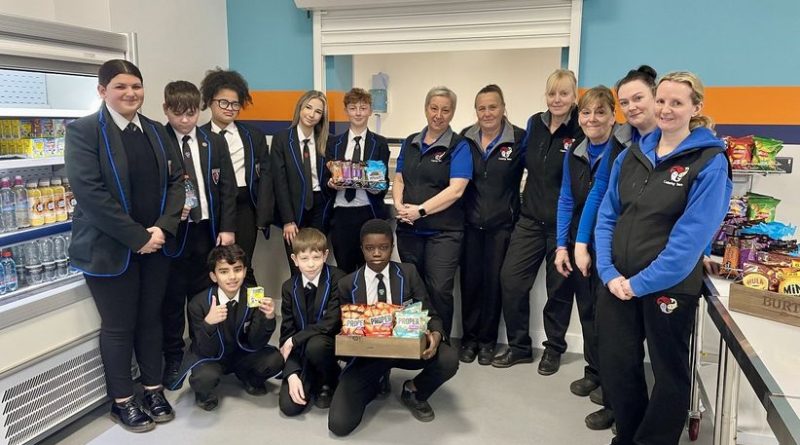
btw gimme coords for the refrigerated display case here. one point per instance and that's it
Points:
(51, 372)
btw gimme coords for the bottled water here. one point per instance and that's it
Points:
(62, 261)
(19, 259)
(7, 208)
(21, 202)
(33, 263)
(10, 271)
(48, 261)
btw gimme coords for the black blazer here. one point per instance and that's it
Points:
(406, 286)
(257, 171)
(209, 342)
(293, 311)
(376, 148)
(290, 182)
(220, 186)
(103, 232)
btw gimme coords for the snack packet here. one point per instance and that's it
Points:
(738, 206)
(740, 151)
(759, 276)
(761, 207)
(380, 319)
(411, 322)
(254, 296)
(353, 319)
(375, 172)
(730, 261)
(336, 171)
(765, 152)
(790, 284)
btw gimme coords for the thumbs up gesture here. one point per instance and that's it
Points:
(218, 312)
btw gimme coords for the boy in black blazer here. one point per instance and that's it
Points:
(225, 93)
(207, 165)
(360, 381)
(348, 210)
(228, 336)
(311, 320)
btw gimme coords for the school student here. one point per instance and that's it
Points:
(298, 160)
(207, 166)
(349, 209)
(128, 182)
(225, 93)
(310, 321)
(228, 335)
(666, 197)
(361, 380)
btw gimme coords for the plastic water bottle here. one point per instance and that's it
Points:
(2, 281)
(62, 261)
(19, 259)
(7, 207)
(21, 202)
(191, 195)
(33, 263)
(48, 260)
(10, 271)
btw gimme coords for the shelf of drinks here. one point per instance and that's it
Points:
(8, 164)
(32, 233)
(43, 112)
(26, 291)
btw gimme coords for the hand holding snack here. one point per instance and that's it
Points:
(267, 307)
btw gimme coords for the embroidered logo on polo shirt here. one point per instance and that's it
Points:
(567, 144)
(505, 153)
(215, 175)
(438, 156)
(676, 175)
(667, 304)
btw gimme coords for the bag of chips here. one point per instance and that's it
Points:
(375, 172)
(254, 296)
(411, 322)
(760, 276)
(740, 151)
(337, 176)
(765, 153)
(380, 319)
(353, 319)
(761, 207)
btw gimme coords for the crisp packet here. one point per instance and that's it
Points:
(254, 296)
(740, 151)
(375, 172)
(765, 152)
(411, 322)
(380, 319)
(336, 171)
(353, 319)
(761, 207)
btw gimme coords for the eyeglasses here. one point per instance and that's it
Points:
(225, 104)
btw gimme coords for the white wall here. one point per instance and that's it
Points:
(520, 73)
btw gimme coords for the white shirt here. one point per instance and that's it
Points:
(312, 150)
(222, 298)
(361, 198)
(236, 149)
(371, 278)
(314, 281)
(198, 169)
(122, 122)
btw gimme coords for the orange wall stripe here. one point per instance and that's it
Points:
(279, 106)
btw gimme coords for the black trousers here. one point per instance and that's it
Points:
(436, 258)
(311, 218)
(665, 321)
(360, 381)
(481, 260)
(319, 368)
(531, 243)
(346, 236)
(246, 230)
(586, 299)
(130, 320)
(250, 367)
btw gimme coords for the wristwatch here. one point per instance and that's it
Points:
(422, 212)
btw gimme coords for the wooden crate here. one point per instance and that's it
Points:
(765, 304)
(380, 347)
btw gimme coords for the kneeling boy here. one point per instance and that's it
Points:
(229, 337)
(396, 283)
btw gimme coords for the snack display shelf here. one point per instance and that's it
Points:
(32, 233)
(741, 172)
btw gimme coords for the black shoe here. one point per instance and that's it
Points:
(323, 400)
(156, 404)
(509, 359)
(255, 389)
(129, 415)
(485, 356)
(420, 409)
(385, 385)
(171, 375)
(582, 387)
(467, 353)
(549, 363)
(208, 401)
(596, 396)
(600, 420)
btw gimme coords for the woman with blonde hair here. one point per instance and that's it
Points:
(666, 197)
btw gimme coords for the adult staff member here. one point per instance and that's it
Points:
(433, 170)
(350, 209)
(127, 180)
(491, 204)
(225, 93)
(549, 135)
(666, 198)
(581, 163)
(298, 162)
